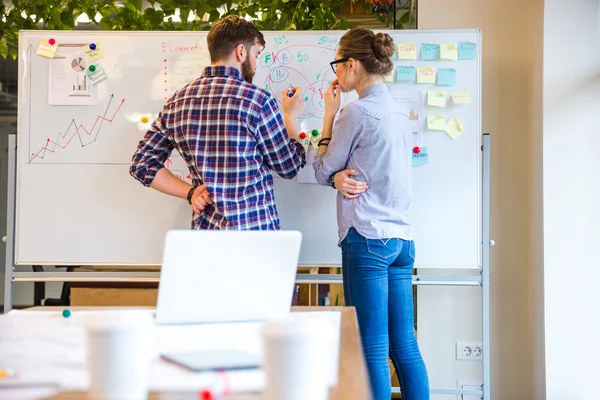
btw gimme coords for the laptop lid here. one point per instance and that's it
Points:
(227, 276)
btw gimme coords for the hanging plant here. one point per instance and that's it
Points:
(186, 15)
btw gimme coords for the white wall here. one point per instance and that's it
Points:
(572, 198)
(512, 46)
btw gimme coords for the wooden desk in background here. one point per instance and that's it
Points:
(353, 382)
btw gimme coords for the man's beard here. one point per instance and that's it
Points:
(247, 71)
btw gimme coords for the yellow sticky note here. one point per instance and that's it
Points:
(407, 51)
(305, 143)
(47, 48)
(314, 139)
(389, 78)
(93, 52)
(436, 99)
(454, 128)
(461, 97)
(425, 75)
(448, 51)
(436, 122)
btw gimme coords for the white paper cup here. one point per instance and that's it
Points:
(118, 354)
(297, 359)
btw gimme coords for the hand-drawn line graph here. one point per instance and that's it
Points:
(284, 68)
(74, 129)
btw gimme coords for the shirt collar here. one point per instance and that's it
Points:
(223, 71)
(378, 88)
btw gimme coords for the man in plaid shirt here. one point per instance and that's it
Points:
(231, 135)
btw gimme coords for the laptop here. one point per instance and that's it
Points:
(210, 276)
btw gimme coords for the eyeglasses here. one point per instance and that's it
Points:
(341, 60)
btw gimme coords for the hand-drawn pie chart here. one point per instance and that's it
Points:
(78, 64)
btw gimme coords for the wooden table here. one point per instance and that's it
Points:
(353, 382)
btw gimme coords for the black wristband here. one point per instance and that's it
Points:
(191, 193)
(324, 141)
(332, 180)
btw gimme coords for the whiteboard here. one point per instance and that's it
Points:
(76, 203)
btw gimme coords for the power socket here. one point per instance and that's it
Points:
(469, 351)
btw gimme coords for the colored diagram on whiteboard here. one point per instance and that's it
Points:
(302, 65)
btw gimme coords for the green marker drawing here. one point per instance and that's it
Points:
(306, 99)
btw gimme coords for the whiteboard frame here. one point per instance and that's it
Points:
(478, 132)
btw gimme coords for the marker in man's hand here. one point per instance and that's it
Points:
(291, 92)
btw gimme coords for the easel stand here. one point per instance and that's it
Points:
(483, 280)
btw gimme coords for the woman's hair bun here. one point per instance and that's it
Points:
(383, 45)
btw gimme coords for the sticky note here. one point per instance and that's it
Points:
(461, 97)
(446, 77)
(436, 122)
(448, 51)
(425, 75)
(430, 52)
(406, 74)
(467, 51)
(389, 78)
(93, 54)
(418, 160)
(407, 51)
(96, 75)
(454, 128)
(305, 143)
(45, 49)
(315, 136)
(436, 98)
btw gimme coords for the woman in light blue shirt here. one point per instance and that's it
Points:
(370, 141)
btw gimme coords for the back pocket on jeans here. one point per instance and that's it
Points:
(384, 248)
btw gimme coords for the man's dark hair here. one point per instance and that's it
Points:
(227, 34)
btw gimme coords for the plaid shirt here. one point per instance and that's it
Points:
(231, 135)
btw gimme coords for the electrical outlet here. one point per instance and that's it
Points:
(469, 351)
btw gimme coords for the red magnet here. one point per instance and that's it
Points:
(51, 42)
(416, 150)
(302, 135)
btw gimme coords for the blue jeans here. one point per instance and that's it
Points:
(378, 283)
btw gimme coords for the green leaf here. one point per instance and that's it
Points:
(214, 15)
(405, 18)
(3, 49)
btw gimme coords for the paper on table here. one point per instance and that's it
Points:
(44, 347)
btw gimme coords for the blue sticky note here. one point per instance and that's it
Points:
(446, 77)
(406, 74)
(430, 52)
(418, 160)
(467, 51)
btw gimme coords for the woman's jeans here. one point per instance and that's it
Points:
(378, 283)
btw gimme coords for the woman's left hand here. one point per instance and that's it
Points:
(332, 98)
